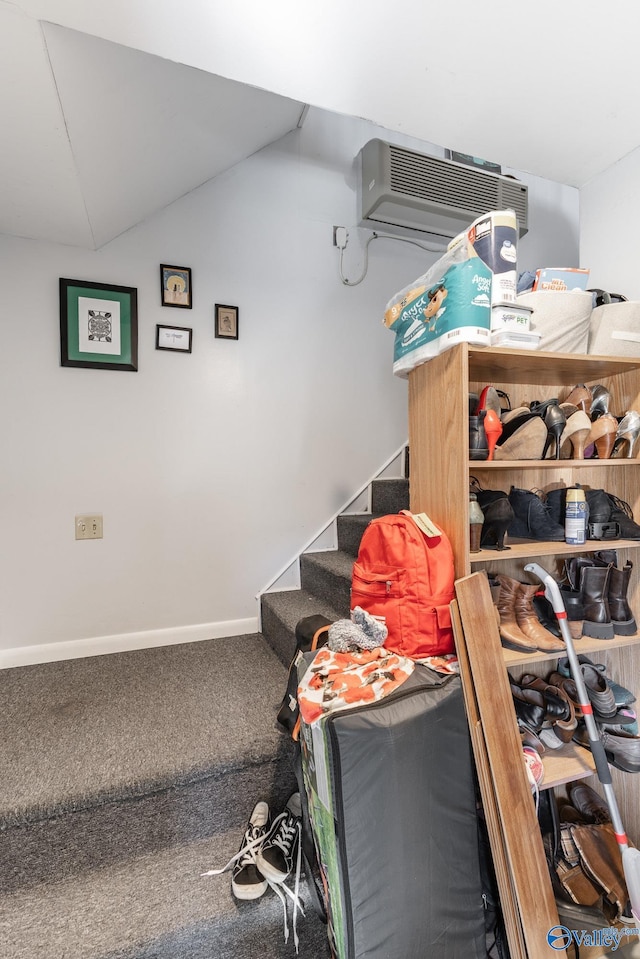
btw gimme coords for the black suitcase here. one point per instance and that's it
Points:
(391, 799)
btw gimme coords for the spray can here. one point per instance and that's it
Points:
(575, 517)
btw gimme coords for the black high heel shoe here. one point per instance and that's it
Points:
(555, 421)
(541, 406)
(498, 515)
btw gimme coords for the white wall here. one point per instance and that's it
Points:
(609, 219)
(211, 469)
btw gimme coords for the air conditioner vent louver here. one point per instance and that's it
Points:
(427, 193)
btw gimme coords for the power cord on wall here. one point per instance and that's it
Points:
(341, 238)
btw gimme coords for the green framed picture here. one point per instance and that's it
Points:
(98, 325)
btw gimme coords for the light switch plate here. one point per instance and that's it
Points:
(89, 526)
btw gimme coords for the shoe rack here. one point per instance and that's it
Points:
(439, 486)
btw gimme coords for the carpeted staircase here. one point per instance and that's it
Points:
(325, 577)
(124, 777)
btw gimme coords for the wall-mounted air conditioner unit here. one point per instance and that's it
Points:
(422, 192)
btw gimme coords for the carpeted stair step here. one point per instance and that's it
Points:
(154, 906)
(120, 775)
(281, 611)
(389, 496)
(350, 527)
(328, 576)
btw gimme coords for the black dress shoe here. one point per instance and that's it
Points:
(530, 708)
(589, 803)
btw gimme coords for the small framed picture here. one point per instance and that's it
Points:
(176, 338)
(227, 321)
(176, 286)
(98, 325)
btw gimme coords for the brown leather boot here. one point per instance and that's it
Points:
(529, 623)
(601, 860)
(510, 633)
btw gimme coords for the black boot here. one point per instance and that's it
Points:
(622, 514)
(600, 523)
(592, 582)
(532, 519)
(614, 513)
(622, 617)
(478, 446)
(574, 607)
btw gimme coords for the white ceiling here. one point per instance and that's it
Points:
(96, 136)
(111, 110)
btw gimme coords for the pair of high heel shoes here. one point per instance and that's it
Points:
(610, 436)
(570, 429)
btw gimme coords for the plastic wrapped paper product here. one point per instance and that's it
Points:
(494, 238)
(450, 304)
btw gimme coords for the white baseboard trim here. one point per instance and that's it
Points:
(123, 642)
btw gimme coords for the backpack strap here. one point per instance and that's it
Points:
(316, 636)
(289, 715)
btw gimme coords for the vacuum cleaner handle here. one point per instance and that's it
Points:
(551, 588)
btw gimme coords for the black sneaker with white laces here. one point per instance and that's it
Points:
(247, 882)
(277, 856)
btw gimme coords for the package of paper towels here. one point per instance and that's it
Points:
(450, 304)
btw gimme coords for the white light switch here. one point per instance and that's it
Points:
(89, 527)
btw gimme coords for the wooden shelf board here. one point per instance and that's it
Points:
(475, 465)
(504, 366)
(525, 548)
(566, 764)
(582, 647)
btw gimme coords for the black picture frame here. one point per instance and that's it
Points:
(98, 325)
(176, 286)
(227, 321)
(178, 339)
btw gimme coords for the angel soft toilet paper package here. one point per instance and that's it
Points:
(494, 238)
(450, 304)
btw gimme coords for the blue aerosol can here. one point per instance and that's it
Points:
(576, 516)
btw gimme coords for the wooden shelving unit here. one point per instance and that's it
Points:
(439, 483)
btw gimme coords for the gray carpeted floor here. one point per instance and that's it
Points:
(122, 779)
(121, 725)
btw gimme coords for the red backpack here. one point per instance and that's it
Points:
(406, 578)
